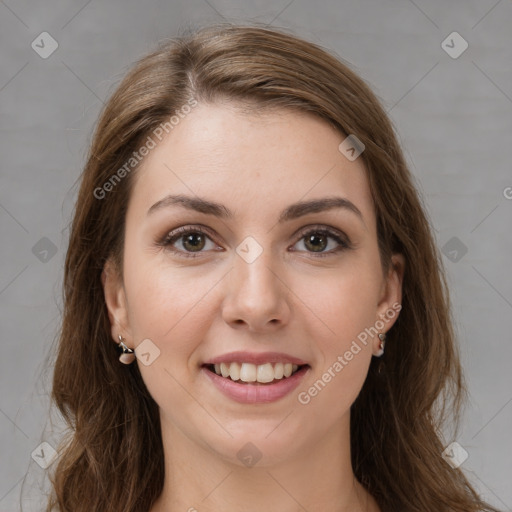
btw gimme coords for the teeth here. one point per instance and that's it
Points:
(278, 370)
(248, 372)
(234, 371)
(265, 373)
(224, 369)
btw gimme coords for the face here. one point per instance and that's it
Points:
(252, 259)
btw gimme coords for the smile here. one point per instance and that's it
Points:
(248, 372)
(274, 384)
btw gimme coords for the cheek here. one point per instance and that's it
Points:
(347, 309)
(344, 348)
(166, 304)
(347, 306)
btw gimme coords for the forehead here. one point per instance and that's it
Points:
(255, 161)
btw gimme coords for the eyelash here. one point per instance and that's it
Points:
(178, 233)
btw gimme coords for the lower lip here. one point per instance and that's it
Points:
(252, 393)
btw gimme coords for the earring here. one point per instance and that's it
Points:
(382, 343)
(127, 356)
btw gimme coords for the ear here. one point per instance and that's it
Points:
(115, 299)
(390, 302)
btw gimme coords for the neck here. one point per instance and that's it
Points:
(318, 478)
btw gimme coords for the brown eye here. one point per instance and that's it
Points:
(193, 241)
(188, 241)
(315, 242)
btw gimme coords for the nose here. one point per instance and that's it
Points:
(257, 296)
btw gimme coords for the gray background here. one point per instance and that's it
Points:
(453, 115)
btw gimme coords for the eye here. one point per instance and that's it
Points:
(317, 240)
(188, 240)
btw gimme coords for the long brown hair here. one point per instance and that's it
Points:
(112, 458)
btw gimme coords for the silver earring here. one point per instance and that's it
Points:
(382, 343)
(128, 355)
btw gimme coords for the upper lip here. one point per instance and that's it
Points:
(256, 358)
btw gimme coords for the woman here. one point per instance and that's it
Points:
(248, 237)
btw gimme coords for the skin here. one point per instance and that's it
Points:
(288, 300)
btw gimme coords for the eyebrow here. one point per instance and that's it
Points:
(293, 211)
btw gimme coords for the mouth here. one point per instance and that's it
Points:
(255, 374)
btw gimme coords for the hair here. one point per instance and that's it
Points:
(112, 456)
